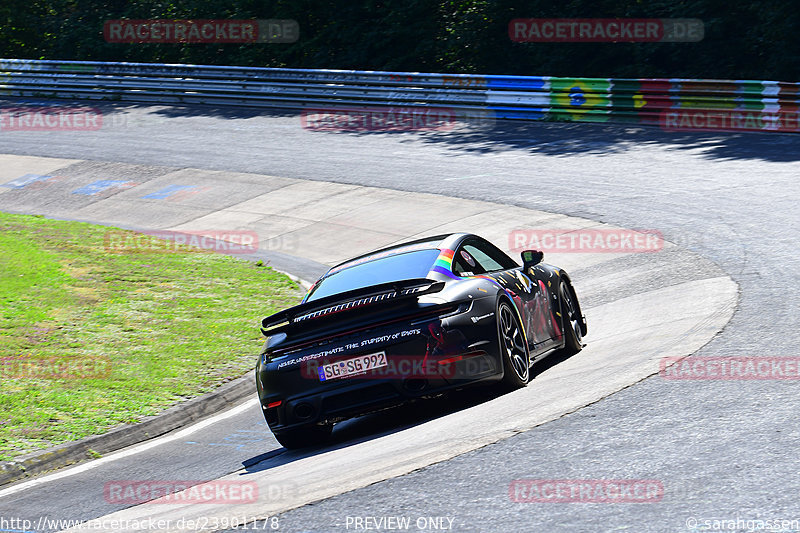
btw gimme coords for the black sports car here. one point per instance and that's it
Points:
(411, 321)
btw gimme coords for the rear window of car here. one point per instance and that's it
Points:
(398, 267)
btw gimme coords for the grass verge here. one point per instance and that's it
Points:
(91, 337)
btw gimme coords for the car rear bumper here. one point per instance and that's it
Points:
(422, 360)
(360, 397)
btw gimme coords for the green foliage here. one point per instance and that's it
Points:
(755, 40)
(93, 337)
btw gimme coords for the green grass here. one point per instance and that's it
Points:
(91, 338)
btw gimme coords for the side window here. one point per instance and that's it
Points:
(486, 262)
(478, 257)
(489, 256)
(465, 264)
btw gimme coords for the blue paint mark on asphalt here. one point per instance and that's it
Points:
(529, 113)
(98, 186)
(22, 181)
(167, 191)
(239, 439)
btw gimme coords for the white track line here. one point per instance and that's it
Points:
(129, 451)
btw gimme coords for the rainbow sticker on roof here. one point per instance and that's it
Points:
(444, 264)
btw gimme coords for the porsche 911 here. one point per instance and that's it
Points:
(409, 322)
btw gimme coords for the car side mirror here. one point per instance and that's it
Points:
(531, 258)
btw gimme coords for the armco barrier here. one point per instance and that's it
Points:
(671, 103)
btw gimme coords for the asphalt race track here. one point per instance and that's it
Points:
(721, 449)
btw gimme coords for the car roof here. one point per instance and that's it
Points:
(426, 243)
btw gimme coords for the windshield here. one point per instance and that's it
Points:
(408, 265)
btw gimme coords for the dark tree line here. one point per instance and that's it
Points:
(743, 40)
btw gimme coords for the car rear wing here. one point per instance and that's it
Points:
(347, 301)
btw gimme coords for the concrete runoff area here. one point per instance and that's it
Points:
(638, 309)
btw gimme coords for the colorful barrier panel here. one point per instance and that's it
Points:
(675, 104)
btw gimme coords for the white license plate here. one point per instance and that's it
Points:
(350, 367)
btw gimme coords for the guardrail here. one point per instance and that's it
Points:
(671, 103)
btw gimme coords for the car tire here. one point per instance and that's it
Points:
(513, 348)
(304, 437)
(572, 321)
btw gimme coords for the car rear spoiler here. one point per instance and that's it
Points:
(349, 300)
